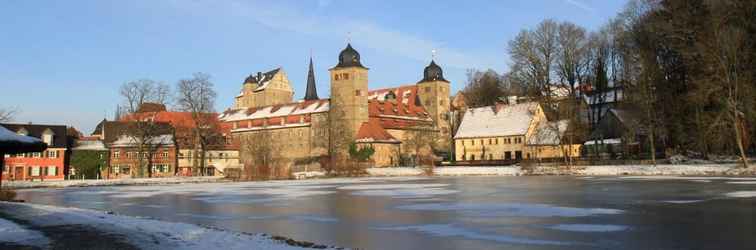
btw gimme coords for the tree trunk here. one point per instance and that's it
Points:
(739, 139)
(653, 146)
(202, 159)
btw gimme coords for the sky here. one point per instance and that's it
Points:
(62, 62)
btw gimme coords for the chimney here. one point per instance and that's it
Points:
(512, 99)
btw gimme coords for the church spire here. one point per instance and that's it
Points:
(312, 92)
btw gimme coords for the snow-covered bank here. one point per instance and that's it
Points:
(460, 171)
(111, 182)
(607, 170)
(141, 232)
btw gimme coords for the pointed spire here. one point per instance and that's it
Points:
(312, 92)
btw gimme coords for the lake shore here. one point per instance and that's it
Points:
(597, 170)
(32, 226)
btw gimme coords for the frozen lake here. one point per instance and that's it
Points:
(454, 213)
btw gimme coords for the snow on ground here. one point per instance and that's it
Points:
(742, 194)
(512, 209)
(707, 169)
(592, 228)
(110, 182)
(398, 171)
(741, 182)
(458, 171)
(11, 232)
(690, 178)
(143, 233)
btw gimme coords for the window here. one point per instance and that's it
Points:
(442, 102)
(34, 171)
(115, 169)
(116, 154)
(507, 155)
(473, 142)
(337, 76)
(481, 142)
(427, 89)
(464, 157)
(358, 92)
(125, 169)
(518, 155)
(496, 141)
(345, 76)
(165, 154)
(472, 157)
(47, 138)
(52, 171)
(463, 142)
(427, 102)
(52, 154)
(36, 154)
(489, 141)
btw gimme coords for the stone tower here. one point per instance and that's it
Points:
(349, 99)
(433, 91)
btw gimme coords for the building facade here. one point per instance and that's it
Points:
(51, 164)
(126, 160)
(289, 132)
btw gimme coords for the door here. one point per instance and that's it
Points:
(18, 173)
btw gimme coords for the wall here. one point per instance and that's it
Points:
(121, 160)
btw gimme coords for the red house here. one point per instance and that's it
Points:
(51, 164)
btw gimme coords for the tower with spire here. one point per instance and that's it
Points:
(433, 91)
(312, 92)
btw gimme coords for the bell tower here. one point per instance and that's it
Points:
(433, 91)
(349, 98)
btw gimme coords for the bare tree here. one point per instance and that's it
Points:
(144, 130)
(483, 88)
(261, 154)
(7, 114)
(196, 95)
(420, 139)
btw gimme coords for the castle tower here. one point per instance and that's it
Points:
(433, 90)
(349, 100)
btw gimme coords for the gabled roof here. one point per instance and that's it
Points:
(372, 131)
(261, 79)
(60, 138)
(498, 120)
(549, 133)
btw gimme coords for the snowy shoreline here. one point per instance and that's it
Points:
(607, 170)
(33, 220)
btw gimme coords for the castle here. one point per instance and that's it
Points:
(272, 128)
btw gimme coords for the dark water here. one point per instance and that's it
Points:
(452, 213)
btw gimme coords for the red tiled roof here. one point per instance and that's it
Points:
(372, 131)
(176, 119)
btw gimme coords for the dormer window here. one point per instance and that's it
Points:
(47, 136)
(23, 131)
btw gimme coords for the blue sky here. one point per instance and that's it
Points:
(62, 61)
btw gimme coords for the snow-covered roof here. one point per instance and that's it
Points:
(501, 120)
(11, 142)
(90, 145)
(281, 110)
(129, 141)
(608, 97)
(604, 141)
(548, 133)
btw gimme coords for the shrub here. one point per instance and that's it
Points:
(7, 195)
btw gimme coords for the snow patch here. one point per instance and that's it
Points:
(588, 228)
(11, 232)
(741, 182)
(742, 194)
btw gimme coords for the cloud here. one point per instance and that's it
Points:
(580, 5)
(364, 33)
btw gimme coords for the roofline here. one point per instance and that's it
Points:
(475, 137)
